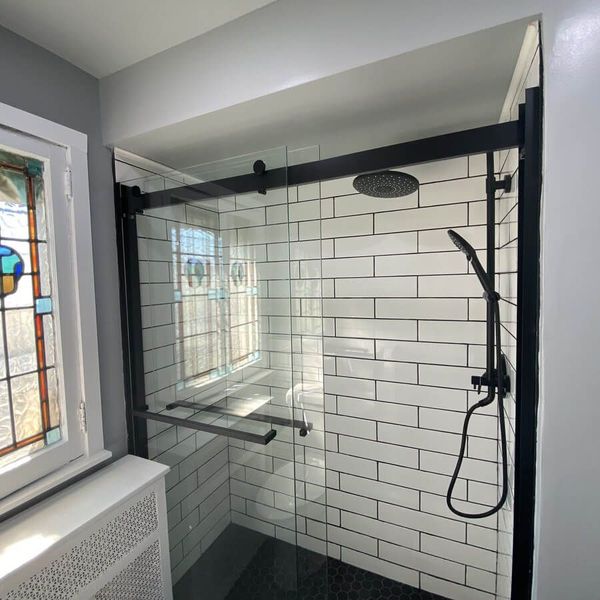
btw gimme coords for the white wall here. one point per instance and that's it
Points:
(568, 527)
(283, 45)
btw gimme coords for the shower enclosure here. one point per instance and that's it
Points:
(301, 355)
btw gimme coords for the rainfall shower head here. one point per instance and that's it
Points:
(471, 255)
(386, 184)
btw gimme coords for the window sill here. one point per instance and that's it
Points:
(43, 486)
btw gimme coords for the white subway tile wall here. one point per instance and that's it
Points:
(376, 338)
(404, 330)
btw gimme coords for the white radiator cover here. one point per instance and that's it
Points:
(104, 538)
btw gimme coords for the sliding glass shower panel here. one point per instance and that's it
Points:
(228, 397)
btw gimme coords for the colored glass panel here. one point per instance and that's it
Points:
(43, 306)
(40, 210)
(11, 270)
(29, 391)
(13, 220)
(45, 287)
(53, 436)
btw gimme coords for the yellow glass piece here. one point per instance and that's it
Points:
(8, 284)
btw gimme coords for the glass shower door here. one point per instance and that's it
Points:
(219, 400)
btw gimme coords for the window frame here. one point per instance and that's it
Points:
(83, 319)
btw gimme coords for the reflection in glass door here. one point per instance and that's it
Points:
(227, 404)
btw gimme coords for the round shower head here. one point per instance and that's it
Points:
(386, 184)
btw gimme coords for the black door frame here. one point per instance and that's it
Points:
(525, 134)
(528, 317)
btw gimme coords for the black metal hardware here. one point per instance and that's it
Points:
(478, 381)
(252, 416)
(127, 204)
(504, 184)
(260, 169)
(528, 314)
(495, 362)
(233, 433)
(131, 201)
(462, 143)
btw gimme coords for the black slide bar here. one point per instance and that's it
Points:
(303, 426)
(489, 138)
(234, 433)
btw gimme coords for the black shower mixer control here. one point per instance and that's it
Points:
(479, 381)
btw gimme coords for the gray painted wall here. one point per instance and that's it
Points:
(39, 82)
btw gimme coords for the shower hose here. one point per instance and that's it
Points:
(501, 417)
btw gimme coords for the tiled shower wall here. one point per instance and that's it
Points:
(403, 331)
(404, 327)
(527, 75)
(275, 489)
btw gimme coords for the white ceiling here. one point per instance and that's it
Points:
(446, 87)
(104, 36)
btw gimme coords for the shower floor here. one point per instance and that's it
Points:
(269, 569)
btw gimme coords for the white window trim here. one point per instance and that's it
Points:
(94, 452)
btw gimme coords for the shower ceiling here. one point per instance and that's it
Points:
(446, 87)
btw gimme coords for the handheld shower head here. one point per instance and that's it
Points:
(471, 255)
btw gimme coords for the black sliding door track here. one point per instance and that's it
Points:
(450, 145)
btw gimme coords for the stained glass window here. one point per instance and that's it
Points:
(29, 400)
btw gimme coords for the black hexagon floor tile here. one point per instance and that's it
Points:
(280, 571)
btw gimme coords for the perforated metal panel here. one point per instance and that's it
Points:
(141, 579)
(66, 576)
